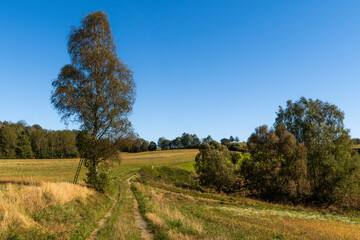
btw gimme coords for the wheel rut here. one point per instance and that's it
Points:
(102, 222)
(139, 221)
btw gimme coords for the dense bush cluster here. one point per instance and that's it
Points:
(306, 158)
(17, 140)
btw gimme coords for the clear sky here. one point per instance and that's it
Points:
(206, 67)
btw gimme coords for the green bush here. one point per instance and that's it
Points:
(101, 182)
(216, 169)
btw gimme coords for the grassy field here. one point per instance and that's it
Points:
(168, 199)
(52, 208)
(184, 213)
(63, 170)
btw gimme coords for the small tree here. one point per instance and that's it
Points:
(97, 89)
(152, 146)
(224, 141)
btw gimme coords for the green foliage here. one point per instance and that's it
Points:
(23, 149)
(331, 160)
(208, 139)
(185, 141)
(96, 90)
(100, 181)
(164, 143)
(237, 147)
(225, 141)
(8, 139)
(277, 169)
(152, 146)
(215, 169)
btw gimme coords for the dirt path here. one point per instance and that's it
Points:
(102, 222)
(139, 221)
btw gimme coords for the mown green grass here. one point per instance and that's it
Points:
(188, 166)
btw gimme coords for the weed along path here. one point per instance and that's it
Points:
(139, 221)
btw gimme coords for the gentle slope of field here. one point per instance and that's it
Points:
(50, 207)
(184, 213)
(169, 200)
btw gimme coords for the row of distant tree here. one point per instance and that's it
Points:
(18, 140)
(188, 141)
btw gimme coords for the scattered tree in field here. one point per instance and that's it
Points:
(231, 139)
(319, 125)
(237, 139)
(96, 90)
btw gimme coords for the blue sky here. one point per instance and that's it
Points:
(206, 67)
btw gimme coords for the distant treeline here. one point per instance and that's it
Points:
(189, 141)
(17, 140)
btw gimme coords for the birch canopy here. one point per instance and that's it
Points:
(97, 89)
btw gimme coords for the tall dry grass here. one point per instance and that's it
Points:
(18, 202)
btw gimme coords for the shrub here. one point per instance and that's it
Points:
(100, 182)
(216, 169)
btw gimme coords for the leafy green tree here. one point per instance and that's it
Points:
(225, 141)
(39, 143)
(232, 139)
(277, 169)
(186, 140)
(195, 141)
(164, 143)
(237, 139)
(320, 127)
(8, 140)
(97, 89)
(144, 145)
(66, 144)
(208, 139)
(152, 146)
(176, 143)
(23, 147)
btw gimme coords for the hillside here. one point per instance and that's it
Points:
(169, 200)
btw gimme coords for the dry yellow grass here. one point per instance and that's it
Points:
(18, 202)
